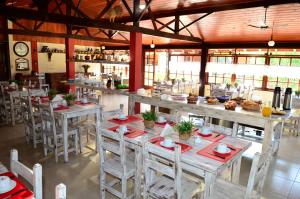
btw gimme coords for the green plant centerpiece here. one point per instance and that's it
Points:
(184, 129)
(70, 98)
(297, 93)
(149, 119)
(52, 93)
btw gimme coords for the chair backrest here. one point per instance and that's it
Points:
(61, 191)
(112, 113)
(34, 177)
(27, 110)
(112, 142)
(162, 161)
(48, 120)
(258, 172)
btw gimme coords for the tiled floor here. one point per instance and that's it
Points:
(81, 173)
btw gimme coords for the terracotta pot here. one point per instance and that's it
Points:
(70, 103)
(149, 124)
(185, 135)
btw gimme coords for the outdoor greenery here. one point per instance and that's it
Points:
(149, 116)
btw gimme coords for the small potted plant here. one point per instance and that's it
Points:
(149, 119)
(70, 98)
(52, 93)
(184, 129)
(297, 93)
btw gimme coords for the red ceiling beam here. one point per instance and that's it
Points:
(197, 8)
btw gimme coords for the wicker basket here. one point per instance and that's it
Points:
(254, 107)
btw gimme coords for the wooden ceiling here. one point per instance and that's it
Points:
(218, 27)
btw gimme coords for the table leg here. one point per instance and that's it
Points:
(131, 106)
(235, 171)
(12, 110)
(65, 137)
(98, 119)
(209, 184)
(268, 135)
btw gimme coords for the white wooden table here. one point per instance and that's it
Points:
(239, 116)
(199, 165)
(74, 112)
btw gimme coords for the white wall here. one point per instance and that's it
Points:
(57, 64)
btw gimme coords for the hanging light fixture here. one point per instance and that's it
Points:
(271, 43)
(152, 45)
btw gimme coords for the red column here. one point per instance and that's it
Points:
(34, 56)
(70, 64)
(135, 64)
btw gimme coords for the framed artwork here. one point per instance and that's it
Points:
(22, 64)
(21, 49)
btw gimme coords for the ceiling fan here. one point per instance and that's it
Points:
(262, 24)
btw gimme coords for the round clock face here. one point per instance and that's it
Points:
(21, 49)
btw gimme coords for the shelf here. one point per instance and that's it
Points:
(101, 61)
(53, 52)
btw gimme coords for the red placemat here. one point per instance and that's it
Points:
(214, 137)
(130, 118)
(61, 107)
(209, 152)
(25, 194)
(82, 104)
(164, 124)
(132, 132)
(184, 147)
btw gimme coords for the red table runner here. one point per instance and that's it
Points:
(21, 191)
(164, 123)
(184, 147)
(132, 132)
(82, 104)
(61, 107)
(130, 118)
(209, 152)
(214, 137)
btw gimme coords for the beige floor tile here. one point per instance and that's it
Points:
(295, 192)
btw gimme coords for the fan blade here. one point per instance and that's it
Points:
(253, 26)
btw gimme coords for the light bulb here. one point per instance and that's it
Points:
(142, 6)
(103, 47)
(152, 45)
(271, 43)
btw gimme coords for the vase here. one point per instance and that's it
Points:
(184, 135)
(70, 103)
(149, 124)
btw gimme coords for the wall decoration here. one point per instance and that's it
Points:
(21, 49)
(22, 64)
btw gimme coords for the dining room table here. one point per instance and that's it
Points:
(197, 158)
(19, 191)
(76, 111)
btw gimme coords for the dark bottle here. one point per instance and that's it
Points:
(276, 97)
(287, 101)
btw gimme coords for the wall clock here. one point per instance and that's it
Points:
(21, 49)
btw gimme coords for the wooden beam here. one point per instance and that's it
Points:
(104, 24)
(143, 11)
(123, 36)
(197, 8)
(136, 12)
(77, 8)
(19, 24)
(127, 8)
(191, 23)
(176, 25)
(204, 56)
(151, 16)
(186, 28)
(166, 25)
(62, 35)
(105, 10)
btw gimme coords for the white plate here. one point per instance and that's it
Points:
(227, 151)
(9, 188)
(125, 118)
(162, 144)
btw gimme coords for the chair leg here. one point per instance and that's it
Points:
(102, 183)
(80, 141)
(56, 153)
(34, 137)
(76, 143)
(124, 188)
(45, 145)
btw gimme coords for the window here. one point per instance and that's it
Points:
(149, 68)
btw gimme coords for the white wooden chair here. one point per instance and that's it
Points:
(111, 113)
(32, 121)
(5, 105)
(164, 176)
(53, 135)
(227, 190)
(113, 161)
(292, 126)
(34, 177)
(61, 191)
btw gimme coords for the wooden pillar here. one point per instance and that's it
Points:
(70, 64)
(204, 55)
(265, 82)
(34, 56)
(233, 78)
(135, 64)
(5, 72)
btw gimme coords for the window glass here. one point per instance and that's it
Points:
(242, 60)
(285, 62)
(221, 60)
(295, 62)
(229, 60)
(260, 60)
(274, 61)
(250, 60)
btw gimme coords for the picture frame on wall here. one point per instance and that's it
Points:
(22, 64)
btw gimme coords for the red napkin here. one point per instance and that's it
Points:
(130, 118)
(26, 194)
(184, 147)
(209, 152)
(164, 123)
(61, 107)
(214, 137)
(132, 132)
(82, 104)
